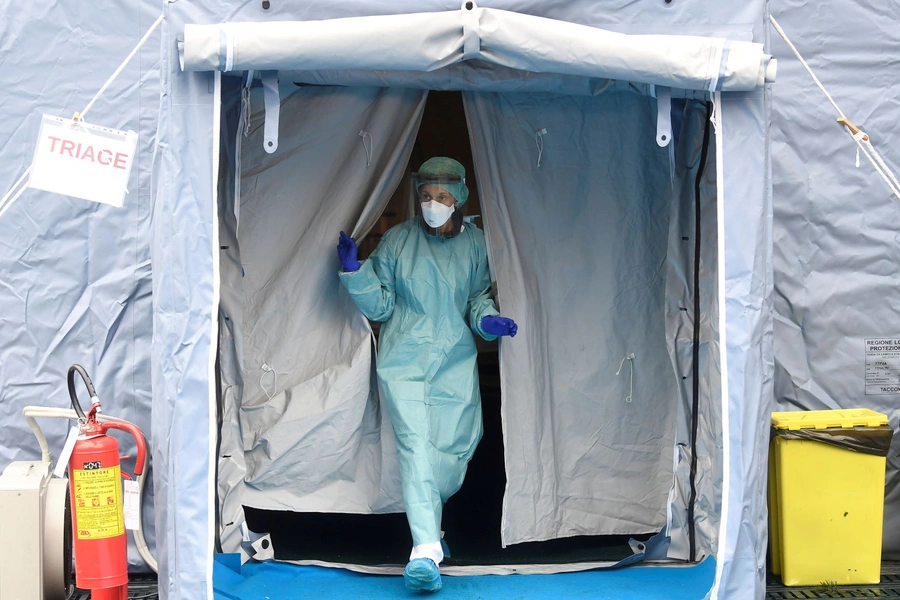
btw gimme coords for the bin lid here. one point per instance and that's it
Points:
(823, 419)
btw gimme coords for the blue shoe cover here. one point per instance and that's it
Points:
(422, 575)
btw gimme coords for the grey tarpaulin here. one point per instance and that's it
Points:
(309, 432)
(836, 251)
(695, 182)
(662, 346)
(434, 40)
(660, 360)
(745, 281)
(184, 247)
(75, 276)
(578, 246)
(178, 122)
(288, 467)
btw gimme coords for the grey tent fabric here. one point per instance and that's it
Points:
(694, 171)
(312, 432)
(835, 225)
(434, 40)
(478, 75)
(185, 253)
(746, 567)
(578, 247)
(177, 125)
(231, 464)
(75, 276)
(744, 205)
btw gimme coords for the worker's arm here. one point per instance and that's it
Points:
(371, 285)
(481, 299)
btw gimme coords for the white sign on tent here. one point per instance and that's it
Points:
(86, 161)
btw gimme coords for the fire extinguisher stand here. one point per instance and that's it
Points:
(95, 489)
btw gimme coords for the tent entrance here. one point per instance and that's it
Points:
(294, 370)
(471, 518)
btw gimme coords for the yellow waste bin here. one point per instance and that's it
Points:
(826, 496)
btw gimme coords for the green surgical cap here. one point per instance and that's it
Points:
(441, 165)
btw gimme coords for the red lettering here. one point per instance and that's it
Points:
(67, 146)
(53, 143)
(120, 160)
(88, 153)
(100, 157)
(77, 151)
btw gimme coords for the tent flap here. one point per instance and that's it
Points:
(435, 40)
(310, 418)
(578, 246)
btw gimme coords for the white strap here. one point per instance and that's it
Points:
(368, 148)
(471, 39)
(266, 369)
(663, 116)
(539, 142)
(229, 47)
(715, 65)
(630, 358)
(272, 98)
(243, 131)
(715, 114)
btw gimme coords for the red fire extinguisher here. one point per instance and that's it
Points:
(95, 489)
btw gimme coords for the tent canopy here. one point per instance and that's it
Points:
(77, 277)
(431, 41)
(705, 49)
(526, 46)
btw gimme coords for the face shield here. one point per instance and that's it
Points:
(435, 199)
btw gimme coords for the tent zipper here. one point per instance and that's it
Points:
(695, 367)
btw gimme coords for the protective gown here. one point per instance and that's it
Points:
(431, 293)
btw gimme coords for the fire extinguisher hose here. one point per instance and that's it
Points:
(70, 380)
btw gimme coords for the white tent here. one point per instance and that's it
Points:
(243, 266)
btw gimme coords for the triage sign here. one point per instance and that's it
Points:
(81, 160)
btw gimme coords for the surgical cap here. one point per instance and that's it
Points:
(441, 165)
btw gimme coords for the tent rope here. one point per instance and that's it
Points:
(860, 137)
(118, 71)
(12, 195)
(7, 202)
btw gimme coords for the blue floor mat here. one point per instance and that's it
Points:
(278, 581)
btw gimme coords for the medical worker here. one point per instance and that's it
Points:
(428, 281)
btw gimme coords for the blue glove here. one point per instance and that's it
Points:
(348, 252)
(495, 325)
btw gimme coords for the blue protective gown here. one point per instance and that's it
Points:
(431, 293)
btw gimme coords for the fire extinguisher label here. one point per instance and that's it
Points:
(98, 504)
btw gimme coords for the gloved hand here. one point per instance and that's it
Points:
(495, 325)
(348, 252)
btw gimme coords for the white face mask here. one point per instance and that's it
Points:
(435, 213)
